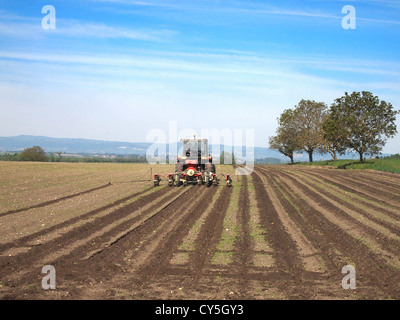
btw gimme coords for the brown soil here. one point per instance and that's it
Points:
(133, 247)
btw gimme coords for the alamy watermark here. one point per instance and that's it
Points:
(349, 281)
(349, 21)
(49, 281)
(237, 144)
(49, 20)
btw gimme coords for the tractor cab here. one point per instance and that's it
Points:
(195, 154)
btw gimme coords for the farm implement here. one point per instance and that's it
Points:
(194, 166)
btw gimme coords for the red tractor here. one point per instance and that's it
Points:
(195, 166)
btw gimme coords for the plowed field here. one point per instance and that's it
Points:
(283, 232)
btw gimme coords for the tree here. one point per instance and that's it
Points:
(285, 140)
(35, 153)
(333, 134)
(366, 122)
(9, 157)
(309, 116)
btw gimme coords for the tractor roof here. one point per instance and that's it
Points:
(194, 140)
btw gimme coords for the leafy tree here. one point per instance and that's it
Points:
(286, 138)
(35, 153)
(333, 134)
(9, 157)
(366, 122)
(309, 116)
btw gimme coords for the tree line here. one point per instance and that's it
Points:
(37, 153)
(358, 122)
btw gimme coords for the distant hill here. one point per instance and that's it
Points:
(268, 161)
(90, 146)
(72, 145)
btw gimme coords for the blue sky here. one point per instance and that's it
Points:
(116, 69)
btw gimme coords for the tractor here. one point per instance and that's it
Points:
(194, 166)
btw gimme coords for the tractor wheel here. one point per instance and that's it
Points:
(208, 181)
(178, 180)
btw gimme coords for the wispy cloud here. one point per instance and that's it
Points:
(251, 8)
(237, 8)
(380, 21)
(384, 3)
(25, 27)
(77, 29)
(166, 81)
(224, 69)
(243, 62)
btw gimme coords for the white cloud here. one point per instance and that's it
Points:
(29, 29)
(166, 83)
(252, 8)
(77, 29)
(111, 95)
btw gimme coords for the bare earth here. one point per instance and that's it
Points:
(283, 232)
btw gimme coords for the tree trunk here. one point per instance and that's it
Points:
(334, 155)
(310, 155)
(361, 157)
(291, 159)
